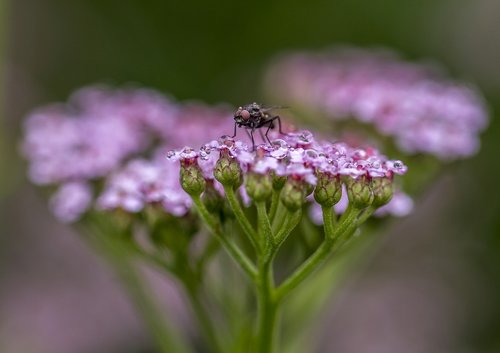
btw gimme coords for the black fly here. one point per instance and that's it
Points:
(252, 117)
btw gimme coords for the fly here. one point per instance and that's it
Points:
(252, 117)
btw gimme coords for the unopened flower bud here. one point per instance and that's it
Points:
(293, 195)
(382, 191)
(359, 193)
(228, 171)
(328, 190)
(259, 186)
(191, 178)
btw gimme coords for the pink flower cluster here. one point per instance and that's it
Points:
(143, 182)
(100, 129)
(423, 112)
(298, 155)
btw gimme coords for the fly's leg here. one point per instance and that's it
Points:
(250, 135)
(279, 124)
(262, 135)
(234, 133)
(271, 125)
(253, 141)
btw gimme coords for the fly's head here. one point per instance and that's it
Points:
(248, 115)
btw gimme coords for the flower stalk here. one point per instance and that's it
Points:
(233, 250)
(241, 218)
(346, 226)
(268, 308)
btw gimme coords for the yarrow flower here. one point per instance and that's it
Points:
(97, 133)
(62, 147)
(422, 111)
(297, 157)
(142, 182)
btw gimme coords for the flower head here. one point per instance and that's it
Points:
(104, 133)
(91, 135)
(287, 157)
(300, 159)
(142, 182)
(423, 112)
(62, 146)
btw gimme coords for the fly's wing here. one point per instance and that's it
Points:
(266, 109)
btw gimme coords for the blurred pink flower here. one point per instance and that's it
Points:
(70, 201)
(141, 182)
(99, 130)
(423, 112)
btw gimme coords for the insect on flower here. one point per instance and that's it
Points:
(252, 117)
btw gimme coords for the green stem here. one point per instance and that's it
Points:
(267, 319)
(366, 214)
(279, 218)
(275, 201)
(305, 269)
(240, 216)
(234, 251)
(264, 226)
(328, 221)
(334, 219)
(267, 309)
(292, 220)
(347, 225)
(166, 340)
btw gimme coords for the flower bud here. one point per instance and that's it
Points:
(359, 193)
(328, 189)
(228, 171)
(259, 186)
(293, 195)
(191, 178)
(382, 191)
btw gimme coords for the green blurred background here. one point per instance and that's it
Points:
(434, 286)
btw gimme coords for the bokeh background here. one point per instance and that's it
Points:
(432, 286)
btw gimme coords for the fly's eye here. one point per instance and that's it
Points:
(245, 114)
